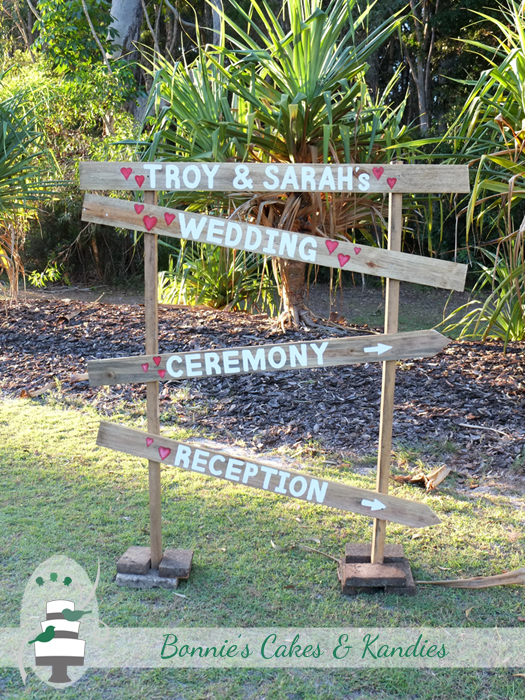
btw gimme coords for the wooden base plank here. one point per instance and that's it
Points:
(358, 575)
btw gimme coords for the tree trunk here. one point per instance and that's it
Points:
(293, 290)
(127, 19)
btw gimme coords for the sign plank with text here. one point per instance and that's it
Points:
(268, 476)
(274, 177)
(276, 242)
(266, 358)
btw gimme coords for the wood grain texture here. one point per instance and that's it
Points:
(268, 476)
(386, 421)
(273, 177)
(151, 312)
(264, 358)
(276, 242)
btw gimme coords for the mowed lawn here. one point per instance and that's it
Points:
(61, 494)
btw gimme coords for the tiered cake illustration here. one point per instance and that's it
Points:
(64, 648)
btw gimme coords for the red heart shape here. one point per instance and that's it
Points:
(391, 181)
(343, 259)
(149, 441)
(139, 208)
(169, 218)
(164, 452)
(139, 180)
(378, 172)
(357, 250)
(162, 373)
(331, 245)
(126, 172)
(145, 367)
(157, 360)
(149, 222)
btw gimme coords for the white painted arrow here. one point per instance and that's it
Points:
(380, 348)
(373, 505)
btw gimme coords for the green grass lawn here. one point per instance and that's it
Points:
(63, 495)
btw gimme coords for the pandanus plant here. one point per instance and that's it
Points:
(287, 88)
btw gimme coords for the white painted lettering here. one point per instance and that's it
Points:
(152, 167)
(231, 364)
(193, 365)
(229, 240)
(211, 465)
(249, 471)
(308, 178)
(191, 228)
(280, 488)
(296, 356)
(290, 178)
(272, 234)
(309, 256)
(249, 244)
(342, 180)
(364, 182)
(200, 459)
(215, 231)
(172, 177)
(211, 363)
(232, 472)
(327, 179)
(210, 173)
(169, 366)
(319, 351)
(182, 458)
(276, 364)
(249, 359)
(295, 490)
(269, 471)
(318, 491)
(188, 170)
(289, 242)
(271, 171)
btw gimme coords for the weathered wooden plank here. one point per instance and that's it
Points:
(384, 453)
(273, 177)
(276, 242)
(268, 476)
(265, 358)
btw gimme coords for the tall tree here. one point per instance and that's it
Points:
(127, 20)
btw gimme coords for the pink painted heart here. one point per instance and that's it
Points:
(145, 367)
(149, 441)
(343, 259)
(149, 222)
(357, 250)
(169, 218)
(139, 179)
(378, 172)
(162, 373)
(391, 181)
(126, 172)
(157, 360)
(139, 208)
(331, 245)
(164, 452)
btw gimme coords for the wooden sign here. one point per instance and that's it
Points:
(268, 476)
(273, 177)
(266, 358)
(275, 242)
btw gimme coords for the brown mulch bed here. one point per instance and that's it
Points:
(469, 383)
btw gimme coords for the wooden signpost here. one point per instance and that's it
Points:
(364, 567)
(268, 476)
(266, 358)
(277, 242)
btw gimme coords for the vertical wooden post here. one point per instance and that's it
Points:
(395, 226)
(151, 308)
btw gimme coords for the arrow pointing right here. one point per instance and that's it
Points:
(373, 505)
(380, 348)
